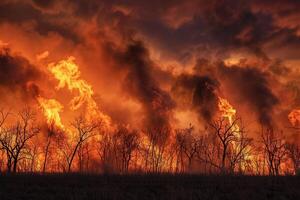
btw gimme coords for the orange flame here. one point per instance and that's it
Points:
(294, 117)
(226, 109)
(51, 109)
(228, 112)
(68, 75)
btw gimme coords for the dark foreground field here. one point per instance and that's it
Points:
(33, 187)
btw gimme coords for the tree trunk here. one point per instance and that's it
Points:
(15, 165)
(72, 157)
(9, 165)
(46, 156)
(224, 159)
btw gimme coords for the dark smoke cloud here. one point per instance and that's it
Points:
(219, 25)
(140, 84)
(17, 74)
(216, 25)
(44, 23)
(200, 91)
(251, 86)
(182, 28)
(45, 4)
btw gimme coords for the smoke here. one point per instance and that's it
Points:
(251, 86)
(198, 91)
(20, 13)
(184, 30)
(140, 84)
(45, 4)
(17, 74)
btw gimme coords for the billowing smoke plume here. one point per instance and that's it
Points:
(199, 92)
(21, 12)
(140, 84)
(251, 87)
(17, 74)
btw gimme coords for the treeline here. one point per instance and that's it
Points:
(88, 146)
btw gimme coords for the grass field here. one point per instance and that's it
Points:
(76, 186)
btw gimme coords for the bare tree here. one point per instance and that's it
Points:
(155, 148)
(117, 149)
(209, 153)
(226, 134)
(83, 154)
(274, 150)
(240, 152)
(83, 131)
(52, 134)
(2, 159)
(105, 150)
(15, 138)
(179, 146)
(3, 116)
(61, 149)
(188, 147)
(126, 142)
(293, 152)
(32, 156)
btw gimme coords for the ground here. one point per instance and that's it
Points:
(77, 187)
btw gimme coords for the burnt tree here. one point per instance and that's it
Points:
(274, 150)
(83, 131)
(14, 139)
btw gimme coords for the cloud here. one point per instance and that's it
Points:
(199, 93)
(20, 13)
(140, 84)
(17, 74)
(252, 87)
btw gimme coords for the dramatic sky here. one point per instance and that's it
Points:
(157, 62)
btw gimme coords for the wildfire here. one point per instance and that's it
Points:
(228, 112)
(68, 75)
(51, 109)
(226, 109)
(294, 117)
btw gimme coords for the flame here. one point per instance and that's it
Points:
(227, 111)
(51, 109)
(68, 75)
(294, 117)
